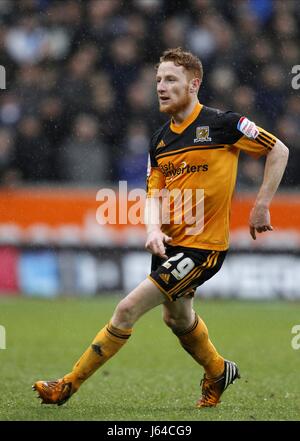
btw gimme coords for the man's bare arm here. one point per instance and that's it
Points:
(275, 165)
(156, 239)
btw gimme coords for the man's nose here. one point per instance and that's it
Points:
(161, 86)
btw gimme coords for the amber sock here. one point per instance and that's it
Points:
(196, 342)
(106, 344)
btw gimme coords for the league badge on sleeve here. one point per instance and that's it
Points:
(247, 127)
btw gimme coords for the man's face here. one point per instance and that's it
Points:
(173, 88)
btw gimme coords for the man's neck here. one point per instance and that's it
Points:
(181, 116)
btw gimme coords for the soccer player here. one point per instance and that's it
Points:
(192, 169)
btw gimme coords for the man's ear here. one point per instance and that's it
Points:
(194, 85)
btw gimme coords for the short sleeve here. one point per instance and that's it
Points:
(245, 135)
(255, 140)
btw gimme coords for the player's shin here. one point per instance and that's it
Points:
(104, 346)
(196, 342)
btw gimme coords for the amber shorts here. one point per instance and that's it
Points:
(185, 270)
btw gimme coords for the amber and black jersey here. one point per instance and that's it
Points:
(201, 154)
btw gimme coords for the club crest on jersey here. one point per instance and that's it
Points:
(247, 127)
(202, 134)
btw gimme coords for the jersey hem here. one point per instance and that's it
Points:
(202, 246)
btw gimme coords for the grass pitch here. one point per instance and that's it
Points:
(152, 377)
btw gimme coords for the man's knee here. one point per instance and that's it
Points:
(124, 312)
(177, 323)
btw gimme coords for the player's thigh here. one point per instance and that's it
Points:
(143, 298)
(183, 307)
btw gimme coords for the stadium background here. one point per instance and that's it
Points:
(76, 116)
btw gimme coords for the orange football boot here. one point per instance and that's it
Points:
(212, 388)
(54, 392)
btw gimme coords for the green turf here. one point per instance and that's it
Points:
(152, 378)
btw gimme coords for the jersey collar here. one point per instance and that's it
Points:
(191, 118)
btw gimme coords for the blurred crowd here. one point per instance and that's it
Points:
(80, 103)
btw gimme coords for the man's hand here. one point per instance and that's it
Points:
(156, 243)
(259, 220)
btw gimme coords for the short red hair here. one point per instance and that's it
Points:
(186, 59)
